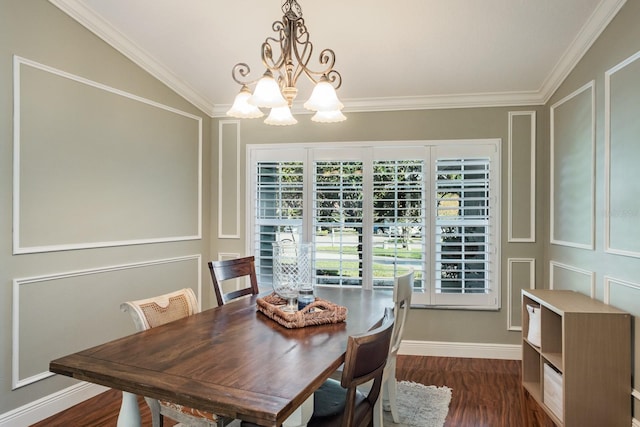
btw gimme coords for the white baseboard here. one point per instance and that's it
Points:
(50, 405)
(636, 395)
(459, 349)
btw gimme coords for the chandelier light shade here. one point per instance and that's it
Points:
(328, 116)
(241, 107)
(281, 116)
(267, 93)
(276, 89)
(323, 97)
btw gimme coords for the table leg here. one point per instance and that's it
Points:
(129, 415)
(301, 415)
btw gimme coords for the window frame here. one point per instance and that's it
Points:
(370, 151)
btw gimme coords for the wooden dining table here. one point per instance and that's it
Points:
(231, 360)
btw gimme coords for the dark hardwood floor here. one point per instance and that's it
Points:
(485, 393)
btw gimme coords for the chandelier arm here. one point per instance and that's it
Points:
(266, 53)
(301, 38)
(242, 70)
(267, 56)
(303, 51)
(334, 78)
(327, 58)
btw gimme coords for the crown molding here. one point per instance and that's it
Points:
(433, 102)
(103, 29)
(595, 25)
(598, 21)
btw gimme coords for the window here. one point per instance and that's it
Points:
(372, 212)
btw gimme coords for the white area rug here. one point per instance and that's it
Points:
(420, 405)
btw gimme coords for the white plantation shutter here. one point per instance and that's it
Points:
(399, 212)
(374, 211)
(279, 211)
(337, 207)
(464, 228)
(462, 225)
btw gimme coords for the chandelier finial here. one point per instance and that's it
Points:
(292, 10)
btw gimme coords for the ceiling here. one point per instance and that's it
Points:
(392, 55)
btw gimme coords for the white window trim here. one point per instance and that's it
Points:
(491, 147)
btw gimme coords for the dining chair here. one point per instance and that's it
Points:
(233, 269)
(402, 291)
(151, 312)
(342, 403)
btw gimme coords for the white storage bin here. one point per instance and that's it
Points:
(533, 334)
(552, 394)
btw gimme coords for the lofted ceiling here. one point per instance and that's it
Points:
(392, 55)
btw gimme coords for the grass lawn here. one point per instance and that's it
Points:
(349, 268)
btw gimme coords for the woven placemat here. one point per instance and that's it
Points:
(319, 312)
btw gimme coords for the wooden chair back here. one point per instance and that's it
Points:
(365, 360)
(233, 269)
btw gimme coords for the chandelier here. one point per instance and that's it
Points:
(276, 89)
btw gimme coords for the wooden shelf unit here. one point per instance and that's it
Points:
(589, 344)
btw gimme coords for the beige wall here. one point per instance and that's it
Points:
(96, 169)
(599, 254)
